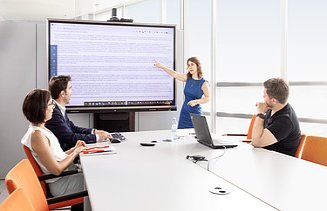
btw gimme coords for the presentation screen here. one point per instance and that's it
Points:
(112, 64)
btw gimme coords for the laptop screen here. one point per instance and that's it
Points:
(203, 135)
(201, 128)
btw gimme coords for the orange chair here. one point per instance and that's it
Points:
(44, 186)
(249, 134)
(36, 167)
(298, 152)
(314, 149)
(23, 176)
(17, 200)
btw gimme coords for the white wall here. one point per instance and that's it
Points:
(18, 76)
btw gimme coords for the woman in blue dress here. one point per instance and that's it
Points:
(196, 90)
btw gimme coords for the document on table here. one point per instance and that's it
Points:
(99, 150)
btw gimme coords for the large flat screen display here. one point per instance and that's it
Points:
(112, 64)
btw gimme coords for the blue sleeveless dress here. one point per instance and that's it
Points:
(192, 91)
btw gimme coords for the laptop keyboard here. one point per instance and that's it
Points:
(118, 136)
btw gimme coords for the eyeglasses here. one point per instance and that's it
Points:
(53, 102)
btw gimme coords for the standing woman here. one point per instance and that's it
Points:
(196, 90)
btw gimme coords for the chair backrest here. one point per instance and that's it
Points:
(249, 135)
(23, 176)
(17, 200)
(315, 150)
(298, 152)
(44, 186)
(36, 167)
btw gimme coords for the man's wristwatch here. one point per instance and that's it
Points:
(261, 115)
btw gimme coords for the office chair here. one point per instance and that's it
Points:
(23, 176)
(36, 168)
(298, 152)
(17, 200)
(249, 134)
(314, 149)
(43, 177)
(39, 173)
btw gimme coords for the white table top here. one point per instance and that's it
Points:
(158, 178)
(284, 182)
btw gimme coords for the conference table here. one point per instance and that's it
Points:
(284, 182)
(160, 177)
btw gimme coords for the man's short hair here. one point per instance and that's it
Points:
(57, 84)
(277, 88)
(35, 105)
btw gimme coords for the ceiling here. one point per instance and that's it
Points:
(40, 10)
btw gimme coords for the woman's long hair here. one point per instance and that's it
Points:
(198, 64)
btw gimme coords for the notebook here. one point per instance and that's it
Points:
(203, 135)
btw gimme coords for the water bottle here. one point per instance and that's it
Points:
(174, 129)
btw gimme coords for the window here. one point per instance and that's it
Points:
(248, 53)
(248, 40)
(307, 40)
(145, 11)
(306, 59)
(198, 37)
(173, 12)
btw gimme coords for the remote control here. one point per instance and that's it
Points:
(147, 144)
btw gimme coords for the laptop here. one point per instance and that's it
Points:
(203, 135)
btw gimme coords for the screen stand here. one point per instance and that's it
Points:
(115, 121)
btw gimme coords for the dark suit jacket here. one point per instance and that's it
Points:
(66, 132)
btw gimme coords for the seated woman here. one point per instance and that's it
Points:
(44, 145)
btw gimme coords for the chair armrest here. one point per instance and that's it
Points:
(67, 197)
(234, 134)
(65, 173)
(248, 141)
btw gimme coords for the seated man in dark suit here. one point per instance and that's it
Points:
(65, 130)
